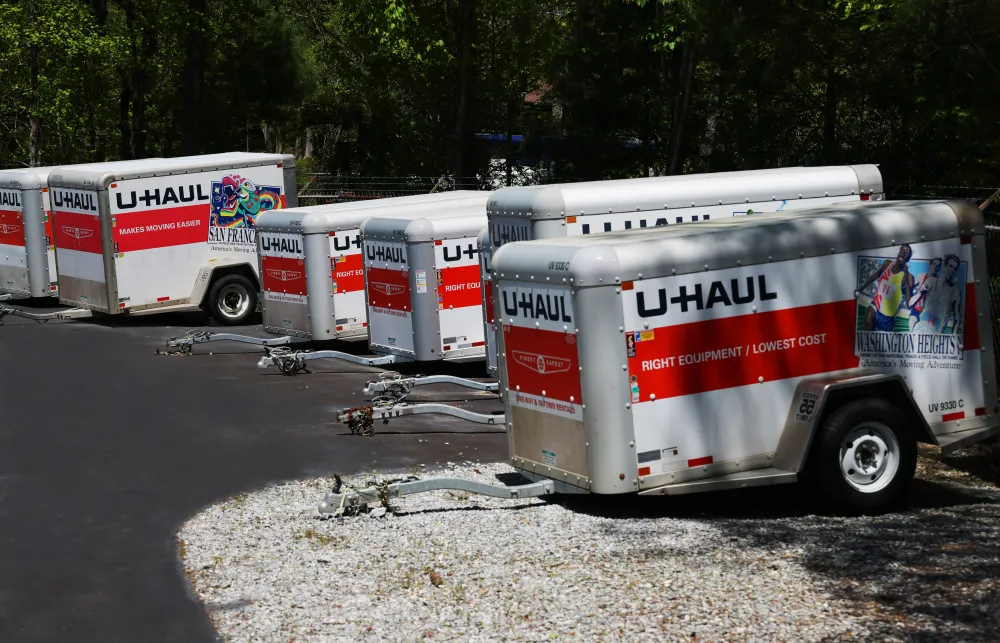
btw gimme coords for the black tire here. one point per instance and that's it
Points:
(844, 461)
(232, 299)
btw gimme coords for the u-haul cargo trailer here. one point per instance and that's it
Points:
(27, 250)
(423, 286)
(747, 352)
(311, 261)
(163, 233)
(422, 289)
(544, 212)
(27, 265)
(822, 344)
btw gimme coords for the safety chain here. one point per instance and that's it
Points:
(367, 481)
(186, 342)
(359, 421)
(397, 387)
(288, 361)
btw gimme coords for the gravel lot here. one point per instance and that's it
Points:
(752, 565)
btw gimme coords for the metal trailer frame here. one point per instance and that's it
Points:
(589, 428)
(89, 189)
(72, 313)
(559, 210)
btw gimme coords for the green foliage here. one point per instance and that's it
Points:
(599, 88)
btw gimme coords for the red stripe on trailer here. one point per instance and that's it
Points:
(159, 299)
(459, 287)
(489, 301)
(866, 197)
(388, 288)
(80, 232)
(965, 239)
(644, 471)
(700, 462)
(474, 344)
(970, 332)
(347, 273)
(162, 228)
(686, 359)
(11, 228)
(951, 417)
(542, 362)
(283, 275)
(980, 411)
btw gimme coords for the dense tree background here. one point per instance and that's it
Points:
(586, 89)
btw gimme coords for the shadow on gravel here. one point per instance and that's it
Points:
(928, 572)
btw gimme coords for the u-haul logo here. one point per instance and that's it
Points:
(77, 200)
(11, 198)
(388, 290)
(504, 233)
(719, 293)
(280, 244)
(77, 233)
(285, 275)
(543, 364)
(6, 228)
(390, 254)
(537, 304)
(342, 244)
(454, 253)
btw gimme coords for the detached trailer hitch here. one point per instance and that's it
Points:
(292, 362)
(186, 342)
(72, 313)
(361, 419)
(394, 384)
(339, 502)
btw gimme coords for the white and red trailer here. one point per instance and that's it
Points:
(159, 234)
(821, 345)
(27, 244)
(312, 267)
(575, 209)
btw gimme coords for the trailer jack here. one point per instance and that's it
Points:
(339, 501)
(185, 343)
(72, 313)
(361, 419)
(394, 384)
(292, 362)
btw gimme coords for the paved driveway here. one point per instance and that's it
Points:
(106, 448)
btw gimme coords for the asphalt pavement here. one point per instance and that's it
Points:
(105, 448)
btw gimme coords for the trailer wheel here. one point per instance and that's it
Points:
(864, 457)
(232, 299)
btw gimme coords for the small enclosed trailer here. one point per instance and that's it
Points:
(165, 233)
(822, 344)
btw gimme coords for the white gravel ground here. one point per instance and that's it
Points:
(728, 567)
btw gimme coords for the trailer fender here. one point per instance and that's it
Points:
(815, 398)
(214, 268)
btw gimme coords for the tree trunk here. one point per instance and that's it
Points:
(830, 119)
(269, 137)
(194, 80)
(711, 120)
(310, 147)
(467, 75)
(682, 102)
(509, 143)
(124, 129)
(35, 132)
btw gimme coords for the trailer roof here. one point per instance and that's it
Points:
(629, 255)
(32, 178)
(459, 223)
(684, 191)
(334, 217)
(99, 176)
